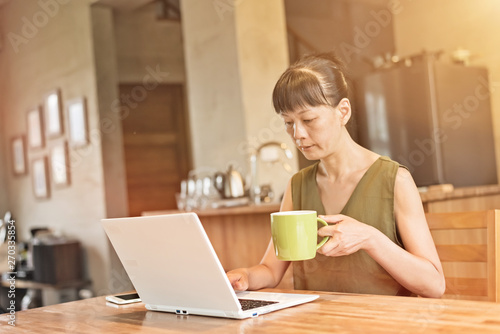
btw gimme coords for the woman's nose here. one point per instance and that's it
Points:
(298, 131)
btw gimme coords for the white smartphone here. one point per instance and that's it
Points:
(124, 298)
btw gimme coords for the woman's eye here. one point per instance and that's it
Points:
(288, 124)
(308, 120)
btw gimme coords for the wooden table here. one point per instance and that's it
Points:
(331, 313)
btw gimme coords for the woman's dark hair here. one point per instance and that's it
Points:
(312, 81)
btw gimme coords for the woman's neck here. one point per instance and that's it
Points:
(350, 158)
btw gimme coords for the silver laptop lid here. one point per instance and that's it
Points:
(171, 262)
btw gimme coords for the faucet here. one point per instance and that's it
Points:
(255, 187)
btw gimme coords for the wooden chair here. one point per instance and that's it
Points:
(469, 249)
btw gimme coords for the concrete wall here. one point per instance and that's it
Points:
(85, 51)
(216, 115)
(47, 48)
(263, 56)
(234, 53)
(110, 133)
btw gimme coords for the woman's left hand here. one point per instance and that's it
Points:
(347, 235)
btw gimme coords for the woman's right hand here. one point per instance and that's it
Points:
(238, 279)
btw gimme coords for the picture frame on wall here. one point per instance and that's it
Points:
(18, 145)
(77, 122)
(35, 128)
(60, 171)
(53, 114)
(40, 178)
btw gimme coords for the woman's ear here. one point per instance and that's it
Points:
(344, 108)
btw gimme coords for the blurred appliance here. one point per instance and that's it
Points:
(59, 261)
(267, 152)
(230, 184)
(433, 117)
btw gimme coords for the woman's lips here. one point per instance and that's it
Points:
(305, 147)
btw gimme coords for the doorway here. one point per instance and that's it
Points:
(156, 147)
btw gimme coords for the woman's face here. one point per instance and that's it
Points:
(315, 130)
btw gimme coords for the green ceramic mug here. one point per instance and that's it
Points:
(295, 234)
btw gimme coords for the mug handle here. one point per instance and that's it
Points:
(325, 239)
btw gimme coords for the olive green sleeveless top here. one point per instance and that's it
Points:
(372, 203)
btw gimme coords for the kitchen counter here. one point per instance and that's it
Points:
(435, 200)
(462, 199)
(430, 196)
(236, 210)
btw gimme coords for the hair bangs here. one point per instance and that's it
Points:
(298, 89)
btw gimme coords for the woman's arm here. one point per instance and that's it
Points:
(418, 267)
(417, 240)
(270, 271)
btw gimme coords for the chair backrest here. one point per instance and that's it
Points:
(468, 246)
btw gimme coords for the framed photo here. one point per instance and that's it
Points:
(19, 155)
(77, 122)
(40, 178)
(59, 165)
(53, 114)
(35, 128)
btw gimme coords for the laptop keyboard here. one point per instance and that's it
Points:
(248, 304)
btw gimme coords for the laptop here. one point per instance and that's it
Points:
(174, 268)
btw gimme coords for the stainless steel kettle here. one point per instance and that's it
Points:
(229, 184)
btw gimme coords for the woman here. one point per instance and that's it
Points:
(379, 239)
